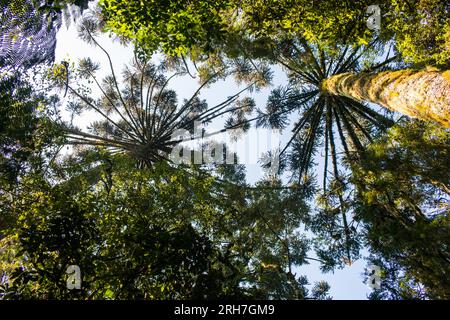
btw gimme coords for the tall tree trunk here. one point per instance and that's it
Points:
(423, 94)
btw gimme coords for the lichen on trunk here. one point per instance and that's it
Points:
(423, 94)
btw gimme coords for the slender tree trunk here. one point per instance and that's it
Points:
(423, 94)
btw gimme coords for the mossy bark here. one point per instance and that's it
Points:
(423, 94)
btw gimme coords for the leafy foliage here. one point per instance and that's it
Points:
(420, 28)
(175, 26)
(158, 231)
(153, 234)
(403, 202)
(25, 128)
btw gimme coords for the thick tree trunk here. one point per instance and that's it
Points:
(423, 94)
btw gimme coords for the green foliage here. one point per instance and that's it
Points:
(28, 30)
(27, 140)
(174, 26)
(326, 22)
(142, 229)
(403, 203)
(420, 28)
(25, 130)
(163, 233)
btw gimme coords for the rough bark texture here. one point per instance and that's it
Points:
(423, 94)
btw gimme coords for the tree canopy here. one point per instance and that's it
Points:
(88, 181)
(420, 28)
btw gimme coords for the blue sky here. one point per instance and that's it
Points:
(346, 283)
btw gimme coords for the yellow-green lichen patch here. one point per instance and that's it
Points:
(446, 75)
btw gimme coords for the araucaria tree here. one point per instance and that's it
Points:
(368, 105)
(140, 115)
